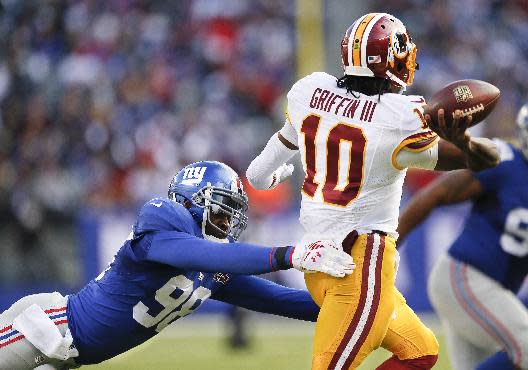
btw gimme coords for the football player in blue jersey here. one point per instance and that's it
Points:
(473, 286)
(500, 360)
(180, 252)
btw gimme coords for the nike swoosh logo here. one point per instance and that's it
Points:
(422, 100)
(157, 204)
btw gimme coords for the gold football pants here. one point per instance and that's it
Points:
(363, 311)
(407, 336)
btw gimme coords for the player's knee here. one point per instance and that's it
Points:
(425, 344)
(431, 343)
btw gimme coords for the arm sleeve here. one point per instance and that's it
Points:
(418, 147)
(288, 131)
(186, 251)
(422, 141)
(425, 159)
(260, 170)
(261, 295)
(489, 179)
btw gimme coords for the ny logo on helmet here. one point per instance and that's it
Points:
(193, 175)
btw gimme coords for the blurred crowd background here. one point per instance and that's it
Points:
(102, 101)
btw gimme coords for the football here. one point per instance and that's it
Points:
(472, 97)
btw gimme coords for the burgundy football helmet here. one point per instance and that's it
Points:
(378, 44)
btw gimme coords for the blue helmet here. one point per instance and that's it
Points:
(211, 187)
(522, 126)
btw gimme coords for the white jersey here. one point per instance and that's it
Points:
(349, 146)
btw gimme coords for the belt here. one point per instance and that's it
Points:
(351, 238)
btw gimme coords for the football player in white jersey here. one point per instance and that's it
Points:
(357, 135)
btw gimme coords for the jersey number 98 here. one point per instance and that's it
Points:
(189, 300)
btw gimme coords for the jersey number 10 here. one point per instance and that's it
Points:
(332, 193)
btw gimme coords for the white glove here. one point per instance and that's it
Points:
(281, 174)
(322, 256)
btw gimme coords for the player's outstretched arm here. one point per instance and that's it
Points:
(453, 187)
(186, 251)
(459, 149)
(262, 295)
(269, 168)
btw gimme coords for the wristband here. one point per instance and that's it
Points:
(282, 258)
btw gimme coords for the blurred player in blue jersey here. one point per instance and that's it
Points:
(473, 287)
(179, 253)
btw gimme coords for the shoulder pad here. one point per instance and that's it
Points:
(506, 151)
(405, 101)
(411, 114)
(415, 99)
(321, 79)
(163, 214)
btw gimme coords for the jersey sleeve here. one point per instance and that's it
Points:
(425, 159)
(415, 136)
(262, 295)
(288, 132)
(186, 251)
(292, 99)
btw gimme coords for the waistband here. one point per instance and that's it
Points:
(351, 238)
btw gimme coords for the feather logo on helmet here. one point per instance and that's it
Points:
(193, 175)
(399, 44)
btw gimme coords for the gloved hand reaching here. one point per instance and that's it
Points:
(322, 256)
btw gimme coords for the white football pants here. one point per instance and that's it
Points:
(16, 352)
(478, 315)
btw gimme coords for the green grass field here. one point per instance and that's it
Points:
(200, 343)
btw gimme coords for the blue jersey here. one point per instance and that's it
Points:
(495, 237)
(164, 271)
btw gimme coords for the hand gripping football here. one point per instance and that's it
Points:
(472, 97)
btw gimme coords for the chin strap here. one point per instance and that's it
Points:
(398, 81)
(215, 239)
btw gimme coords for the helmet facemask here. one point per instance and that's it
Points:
(522, 127)
(221, 201)
(401, 59)
(214, 196)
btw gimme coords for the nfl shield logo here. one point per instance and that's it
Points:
(462, 93)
